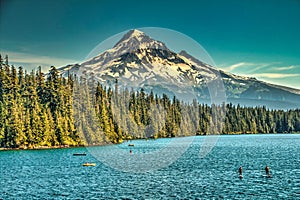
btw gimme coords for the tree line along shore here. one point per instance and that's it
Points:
(40, 110)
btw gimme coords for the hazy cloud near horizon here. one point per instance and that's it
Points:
(30, 61)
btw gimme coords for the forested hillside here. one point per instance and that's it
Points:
(35, 111)
(38, 110)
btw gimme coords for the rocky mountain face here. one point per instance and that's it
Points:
(140, 61)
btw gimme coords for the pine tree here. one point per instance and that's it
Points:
(6, 60)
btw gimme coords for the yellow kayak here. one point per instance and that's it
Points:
(88, 164)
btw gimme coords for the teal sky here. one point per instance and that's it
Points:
(253, 38)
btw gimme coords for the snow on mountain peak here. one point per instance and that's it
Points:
(138, 56)
(135, 39)
(135, 33)
(139, 35)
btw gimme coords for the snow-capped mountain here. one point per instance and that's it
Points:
(140, 61)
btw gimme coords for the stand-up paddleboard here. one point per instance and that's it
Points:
(267, 175)
(241, 176)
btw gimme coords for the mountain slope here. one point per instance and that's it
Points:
(140, 61)
(252, 92)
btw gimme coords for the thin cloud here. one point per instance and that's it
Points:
(284, 68)
(256, 66)
(31, 59)
(275, 75)
(238, 65)
(260, 66)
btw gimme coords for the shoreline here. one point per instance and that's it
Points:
(39, 147)
(68, 146)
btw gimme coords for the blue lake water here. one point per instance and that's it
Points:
(57, 174)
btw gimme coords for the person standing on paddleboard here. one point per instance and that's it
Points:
(241, 171)
(267, 170)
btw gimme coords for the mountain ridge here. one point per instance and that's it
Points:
(137, 60)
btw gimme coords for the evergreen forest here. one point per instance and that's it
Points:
(48, 110)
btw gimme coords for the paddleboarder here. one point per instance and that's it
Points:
(241, 171)
(267, 169)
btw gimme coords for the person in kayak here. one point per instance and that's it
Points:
(267, 170)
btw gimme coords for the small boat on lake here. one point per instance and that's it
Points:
(79, 154)
(131, 145)
(88, 164)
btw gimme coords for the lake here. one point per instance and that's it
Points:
(57, 174)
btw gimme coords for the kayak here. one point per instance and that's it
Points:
(79, 154)
(88, 164)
